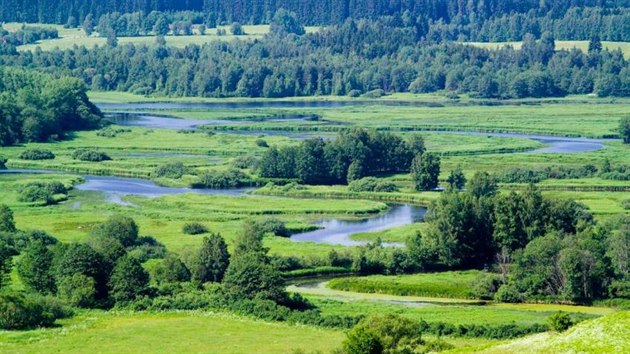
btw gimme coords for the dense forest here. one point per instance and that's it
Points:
(354, 58)
(38, 107)
(309, 11)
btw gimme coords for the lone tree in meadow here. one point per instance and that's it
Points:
(624, 129)
(425, 170)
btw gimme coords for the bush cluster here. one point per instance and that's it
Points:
(371, 184)
(482, 331)
(110, 132)
(43, 192)
(20, 311)
(37, 154)
(173, 170)
(90, 155)
(222, 179)
(194, 228)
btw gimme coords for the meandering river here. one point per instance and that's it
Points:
(128, 117)
(334, 231)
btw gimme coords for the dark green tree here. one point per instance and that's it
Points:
(425, 170)
(594, 45)
(112, 39)
(212, 260)
(82, 259)
(170, 270)
(119, 227)
(129, 280)
(161, 27)
(77, 290)
(362, 340)
(7, 223)
(286, 22)
(460, 230)
(89, 24)
(250, 274)
(310, 162)
(35, 268)
(456, 180)
(6, 255)
(236, 29)
(624, 129)
(482, 185)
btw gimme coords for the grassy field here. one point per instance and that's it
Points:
(444, 285)
(163, 218)
(581, 45)
(171, 332)
(608, 334)
(69, 37)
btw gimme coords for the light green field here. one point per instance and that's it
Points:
(581, 45)
(608, 334)
(163, 218)
(69, 37)
(457, 314)
(443, 285)
(171, 332)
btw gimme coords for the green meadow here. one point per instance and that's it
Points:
(69, 37)
(432, 297)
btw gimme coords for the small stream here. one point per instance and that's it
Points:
(333, 231)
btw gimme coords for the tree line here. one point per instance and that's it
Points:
(540, 248)
(36, 107)
(309, 11)
(354, 58)
(9, 41)
(354, 154)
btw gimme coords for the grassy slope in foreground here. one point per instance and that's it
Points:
(184, 332)
(609, 334)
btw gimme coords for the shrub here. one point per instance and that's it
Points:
(42, 192)
(626, 204)
(173, 170)
(354, 93)
(486, 285)
(560, 321)
(508, 293)
(3, 162)
(110, 132)
(90, 155)
(273, 226)
(374, 93)
(262, 143)
(221, 179)
(19, 311)
(371, 184)
(243, 162)
(236, 29)
(37, 154)
(194, 228)
(362, 341)
(78, 290)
